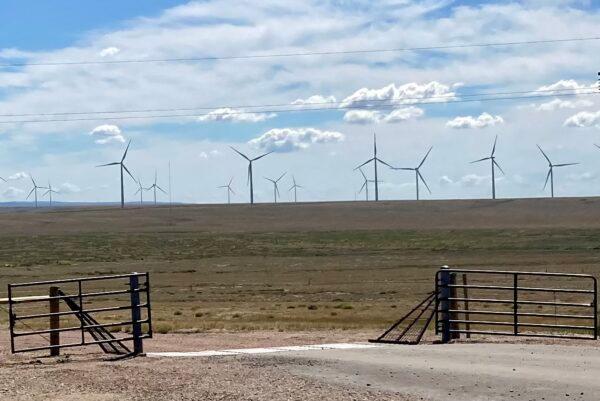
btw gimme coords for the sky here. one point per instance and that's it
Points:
(412, 100)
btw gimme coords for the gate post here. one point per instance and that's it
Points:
(136, 315)
(54, 321)
(445, 304)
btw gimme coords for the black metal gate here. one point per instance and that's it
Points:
(515, 303)
(87, 311)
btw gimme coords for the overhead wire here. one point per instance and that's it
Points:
(301, 54)
(304, 109)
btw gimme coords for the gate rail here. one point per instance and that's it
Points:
(77, 308)
(447, 309)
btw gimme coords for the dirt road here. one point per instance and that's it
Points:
(461, 372)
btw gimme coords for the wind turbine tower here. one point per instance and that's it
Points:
(295, 188)
(275, 186)
(375, 160)
(49, 192)
(155, 186)
(417, 171)
(141, 190)
(229, 190)
(550, 174)
(122, 166)
(250, 161)
(34, 190)
(492, 159)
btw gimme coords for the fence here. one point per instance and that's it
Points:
(90, 307)
(532, 304)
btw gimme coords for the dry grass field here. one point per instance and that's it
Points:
(288, 267)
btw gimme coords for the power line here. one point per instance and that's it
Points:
(555, 92)
(301, 54)
(364, 107)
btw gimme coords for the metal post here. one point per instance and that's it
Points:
(453, 306)
(138, 347)
(466, 296)
(595, 304)
(11, 318)
(148, 305)
(445, 304)
(81, 312)
(54, 321)
(515, 304)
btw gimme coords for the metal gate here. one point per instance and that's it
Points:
(84, 311)
(515, 303)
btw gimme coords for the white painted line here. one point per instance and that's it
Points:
(255, 351)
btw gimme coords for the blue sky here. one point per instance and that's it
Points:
(320, 148)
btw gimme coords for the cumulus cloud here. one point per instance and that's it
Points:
(293, 139)
(12, 193)
(107, 133)
(556, 104)
(371, 116)
(445, 180)
(315, 99)
(583, 119)
(565, 85)
(472, 180)
(235, 116)
(17, 176)
(482, 121)
(68, 188)
(586, 176)
(109, 51)
(410, 93)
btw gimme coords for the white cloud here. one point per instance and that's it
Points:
(372, 117)
(12, 193)
(293, 139)
(410, 93)
(583, 119)
(315, 99)
(68, 188)
(109, 51)
(18, 176)
(586, 176)
(107, 133)
(556, 104)
(445, 180)
(565, 86)
(482, 121)
(472, 180)
(236, 116)
(206, 155)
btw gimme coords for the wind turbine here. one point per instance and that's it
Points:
(374, 159)
(275, 186)
(155, 186)
(295, 188)
(50, 191)
(122, 166)
(492, 159)
(141, 190)
(3, 180)
(551, 170)
(34, 190)
(365, 184)
(229, 190)
(418, 175)
(250, 161)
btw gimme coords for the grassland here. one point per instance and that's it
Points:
(297, 267)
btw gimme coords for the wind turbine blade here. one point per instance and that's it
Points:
(268, 179)
(1, 178)
(46, 193)
(277, 190)
(480, 160)
(240, 153)
(363, 173)
(249, 173)
(598, 146)
(109, 164)
(230, 181)
(261, 156)
(547, 178)
(404, 168)
(545, 156)
(281, 176)
(425, 158)
(500, 168)
(375, 144)
(126, 150)
(129, 172)
(565, 164)
(367, 162)
(155, 176)
(30, 192)
(32, 180)
(137, 192)
(232, 191)
(363, 187)
(423, 180)
(494, 147)
(381, 161)
(161, 190)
